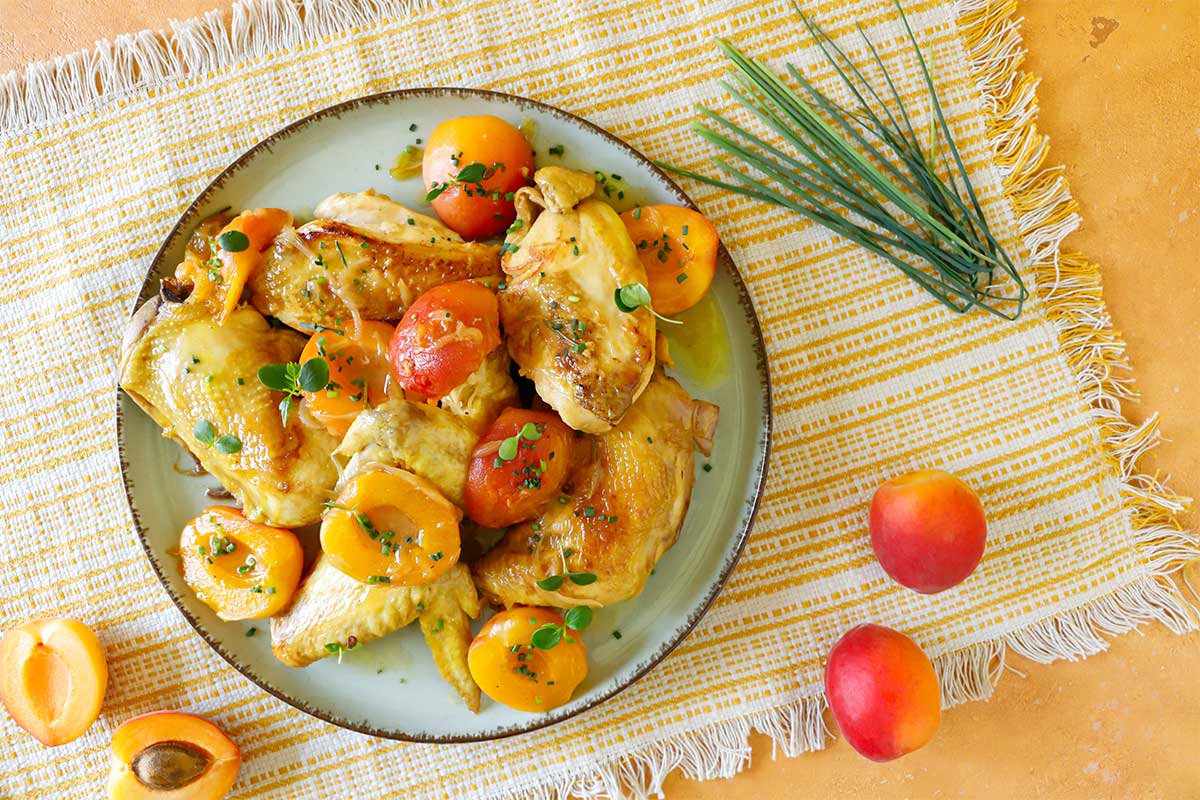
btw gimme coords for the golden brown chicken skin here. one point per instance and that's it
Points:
(331, 607)
(588, 359)
(626, 503)
(184, 369)
(363, 254)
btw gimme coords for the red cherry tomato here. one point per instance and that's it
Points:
(444, 337)
(507, 485)
(483, 206)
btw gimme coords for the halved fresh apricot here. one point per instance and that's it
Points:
(52, 678)
(389, 526)
(240, 247)
(678, 247)
(171, 755)
(511, 670)
(360, 374)
(238, 568)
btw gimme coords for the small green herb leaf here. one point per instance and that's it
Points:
(285, 408)
(579, 618)
(631, 297)
(275, 376)
(508, 448)
(228, 444)
(550, 583)
(204, 432)
(471, 173)
(581, 578)
(233, 241)
(547, 636)
(530, 432)
(314, 375)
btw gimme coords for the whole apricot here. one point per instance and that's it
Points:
(883, 692)
(928, 530)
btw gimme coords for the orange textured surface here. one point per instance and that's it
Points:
(1120, 98)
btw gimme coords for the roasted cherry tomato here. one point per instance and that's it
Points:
(238, 568)
(444, 337)
(475, 164)
(389, 526)
(510, 670)
(678, 247)
(359, 373)
(518, 467)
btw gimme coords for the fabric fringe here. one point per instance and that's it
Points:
(1068, 286)
(48, 91)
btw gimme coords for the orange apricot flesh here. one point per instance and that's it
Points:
(510, 670)
(52, 678)
(240, 569)
(678, 247)
(171, 755)
(259, 227)
(390, 526)
(360, 375)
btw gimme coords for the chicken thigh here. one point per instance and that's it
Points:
(588, 359)
(626, 504)
(198, 381)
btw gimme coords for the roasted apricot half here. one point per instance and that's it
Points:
(238, 568)
(52, 678)
(170, 754)
(514, 667)
(389, 526)
(359, 373)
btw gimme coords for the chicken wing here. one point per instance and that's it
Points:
(414, 436)
(588, 359)
(333, 608)
(627, 504)
(363, 254)
(198, 381)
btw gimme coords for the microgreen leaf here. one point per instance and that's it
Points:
(471, 173)
(547, 636)
(435, 191)
(581, 578)
(275, 376)
(228, 444)
(579, 618)
(530, 432)
(285, 408)
(550, 583)
(508, 448)
(314, 375)
(204, 432)
(631, 297)
(233, 241)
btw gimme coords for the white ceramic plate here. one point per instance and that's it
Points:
(390, 687)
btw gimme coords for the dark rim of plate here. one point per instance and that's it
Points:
(188, 220)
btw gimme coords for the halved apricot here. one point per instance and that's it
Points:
(52, 678)
(678, 247)
(240, 247)
(360, 375)
(512, 670)
(389, 526)
(238, 568)
(171, 754)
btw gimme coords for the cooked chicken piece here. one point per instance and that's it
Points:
(414, 436)
(184, 370)
(362, 254)
(628, 501)
(488, 391)
(331, 607)
(588, 359)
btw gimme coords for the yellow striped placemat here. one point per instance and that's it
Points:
(102, 150)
